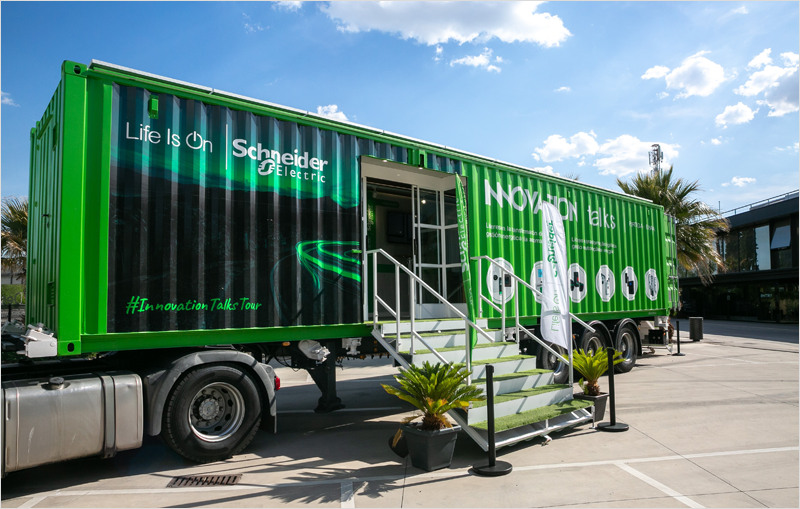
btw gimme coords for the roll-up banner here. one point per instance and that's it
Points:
(555, 303)
(463, 248)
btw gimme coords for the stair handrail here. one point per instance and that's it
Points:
(396, 314)
(517, 281)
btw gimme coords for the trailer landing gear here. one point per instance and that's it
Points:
(324, 375)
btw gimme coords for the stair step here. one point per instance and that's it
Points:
(430, 324)
(459, 355)
(441, 339)
(533, 416)
(520, 381)
(520, 401)
(504, 365)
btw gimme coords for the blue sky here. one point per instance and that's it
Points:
(566, 87)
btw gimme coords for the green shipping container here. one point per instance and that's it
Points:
(167, 214)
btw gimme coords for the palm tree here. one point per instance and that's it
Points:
(697, 223)
(14, 232)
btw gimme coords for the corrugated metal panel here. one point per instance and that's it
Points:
(44, 202)
(224, 226)
(601, 230)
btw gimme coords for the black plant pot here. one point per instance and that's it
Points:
(598, 401)
(431, 450)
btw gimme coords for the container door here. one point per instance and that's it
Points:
(436, 256)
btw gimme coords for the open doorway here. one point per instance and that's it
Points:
(411, 214)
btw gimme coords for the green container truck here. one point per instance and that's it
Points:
(180, 235)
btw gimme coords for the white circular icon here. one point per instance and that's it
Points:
(501, 291)
(577, 282)
(629, 283)
(604, 282)
(537, 279)
(651, 284)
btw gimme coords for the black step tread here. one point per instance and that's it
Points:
(511, 396)
(533, 416)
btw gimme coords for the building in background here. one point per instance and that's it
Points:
(761, 254)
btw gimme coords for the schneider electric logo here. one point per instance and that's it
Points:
(286, 165)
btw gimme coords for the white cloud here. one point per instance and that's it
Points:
(697, 75)
(715, 141)
(563, 89)
(481, 60)
(797, 147)
(762, 80)
(287, 6)
(627, 154)
(331, 111)
(5, 98)
(738, 114)
(439, 22)
(582, 163)
(498, 58)
(658, 71)
(556, 148)
(439, 52)
(545, 169)
(739, 181)
(760, 59)
(662, 95)
(790, 59)
(740, 10)
(251, 27)
(783, 98)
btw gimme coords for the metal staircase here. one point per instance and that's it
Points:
(527, 401)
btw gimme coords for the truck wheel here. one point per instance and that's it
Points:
(546, 360)
(592, 342)
(626, 343)
(212, 413)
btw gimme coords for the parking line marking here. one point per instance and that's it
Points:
(347, 495)
(35, 500)
(388, 478)
(657, 485)
(726, 358)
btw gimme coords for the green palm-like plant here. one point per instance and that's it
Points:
(435, 389)
(697, 222)
(592, 367)
(14, 232)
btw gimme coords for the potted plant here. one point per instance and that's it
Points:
(434, 390)
(592, 366)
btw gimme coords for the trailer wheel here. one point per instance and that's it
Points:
(592, 342)
(212, 413)
(626, 343)
(546, 360)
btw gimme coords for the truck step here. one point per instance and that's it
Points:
(428, 325)
(532, 417)
(520, 401)
(440, 340)
(503, 365)
(520, 381)
(458, 353)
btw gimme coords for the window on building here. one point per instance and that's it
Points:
(781, 244)
(732, 251)
(762, 248)
(747, 250)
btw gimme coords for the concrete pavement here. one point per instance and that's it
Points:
(715, 428)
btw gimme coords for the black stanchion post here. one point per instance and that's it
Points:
(678, 331)
(494, 468)
(613, 425)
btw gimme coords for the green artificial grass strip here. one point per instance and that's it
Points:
(511, 376)
(455, 348)
(534, 416)
(503, 359)
(511, 396)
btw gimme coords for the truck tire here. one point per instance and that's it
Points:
(626, 343)
(212, 413)
(546, 360)
(592, 342)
